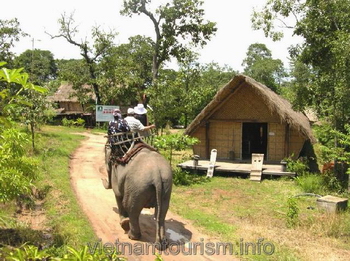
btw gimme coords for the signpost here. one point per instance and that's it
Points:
(104, 113)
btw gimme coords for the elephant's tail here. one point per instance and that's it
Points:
(159, 191)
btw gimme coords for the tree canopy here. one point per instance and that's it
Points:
(10, 33)
(177, 25)
(127, 71)
(325, 51)
(90, 52)
(39, 64)
(321, 78)
(260, 65)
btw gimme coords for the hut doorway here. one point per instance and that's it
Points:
(254, 139)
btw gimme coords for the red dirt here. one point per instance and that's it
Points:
(87, 169)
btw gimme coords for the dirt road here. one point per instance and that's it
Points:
(87, 169)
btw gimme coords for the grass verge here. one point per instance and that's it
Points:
(237, 210)
(56, 145)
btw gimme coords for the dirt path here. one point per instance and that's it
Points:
(87, 169)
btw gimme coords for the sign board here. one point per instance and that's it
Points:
(104, 113)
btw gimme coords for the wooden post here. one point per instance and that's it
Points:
(286, 140)
(207, 147)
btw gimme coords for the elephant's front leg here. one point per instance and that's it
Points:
(123, 214)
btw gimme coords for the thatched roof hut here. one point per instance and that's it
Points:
(66, 93)
(242, 110)
(67, 100)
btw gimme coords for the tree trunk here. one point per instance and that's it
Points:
(97, 93)
(33, 136)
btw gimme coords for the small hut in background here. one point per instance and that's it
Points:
(68, 105)
(247, 117)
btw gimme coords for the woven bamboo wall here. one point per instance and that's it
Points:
(200, 148)
(276, 141)
(296, 143)
(226, 138)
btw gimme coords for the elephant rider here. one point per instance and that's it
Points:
(118, 124)
(141, 113)
(135, 124)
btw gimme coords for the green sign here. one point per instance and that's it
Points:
(104, 113)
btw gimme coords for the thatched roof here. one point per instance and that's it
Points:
(66, 93)
(275, 103)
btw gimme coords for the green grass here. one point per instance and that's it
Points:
(65, 222)
(55, 146)
(232, 208)
(228, 208)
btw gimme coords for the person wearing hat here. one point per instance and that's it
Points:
(118, 124)
(140, 113)
(135, 124)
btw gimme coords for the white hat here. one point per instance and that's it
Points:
(140, 109)
(131, 111)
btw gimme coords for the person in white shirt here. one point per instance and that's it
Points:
(135, 124)
(141, 113)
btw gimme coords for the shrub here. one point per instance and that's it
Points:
(184, 178)
(174, 142)
(17, 170)
(331, 182)
(79, 122)
(29, 252)
(298, 166)
(310, 183)
(67, 123)
(292, 213)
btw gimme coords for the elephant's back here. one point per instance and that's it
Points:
(146, 171)
(151, 164)
(148, 157)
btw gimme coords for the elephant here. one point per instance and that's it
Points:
(144, 182)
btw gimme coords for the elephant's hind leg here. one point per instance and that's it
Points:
(135, 231)
(123, 214)
(161, 240)
(125, 224)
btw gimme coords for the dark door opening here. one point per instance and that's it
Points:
(254, 139)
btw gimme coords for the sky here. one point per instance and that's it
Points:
(228, 46)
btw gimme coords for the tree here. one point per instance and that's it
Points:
(183, 94)
(10, 32)
(298, 89)
(21, 98)
(37, 111)
(325, 52)
(127, 71)
(17, 170)
(176, 25)
(11, 97)
(91, 54)
(39, 64)
(212, 78)
(260, 65)
(165, 100)
(76, 72)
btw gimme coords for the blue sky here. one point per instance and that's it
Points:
(228, 46)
